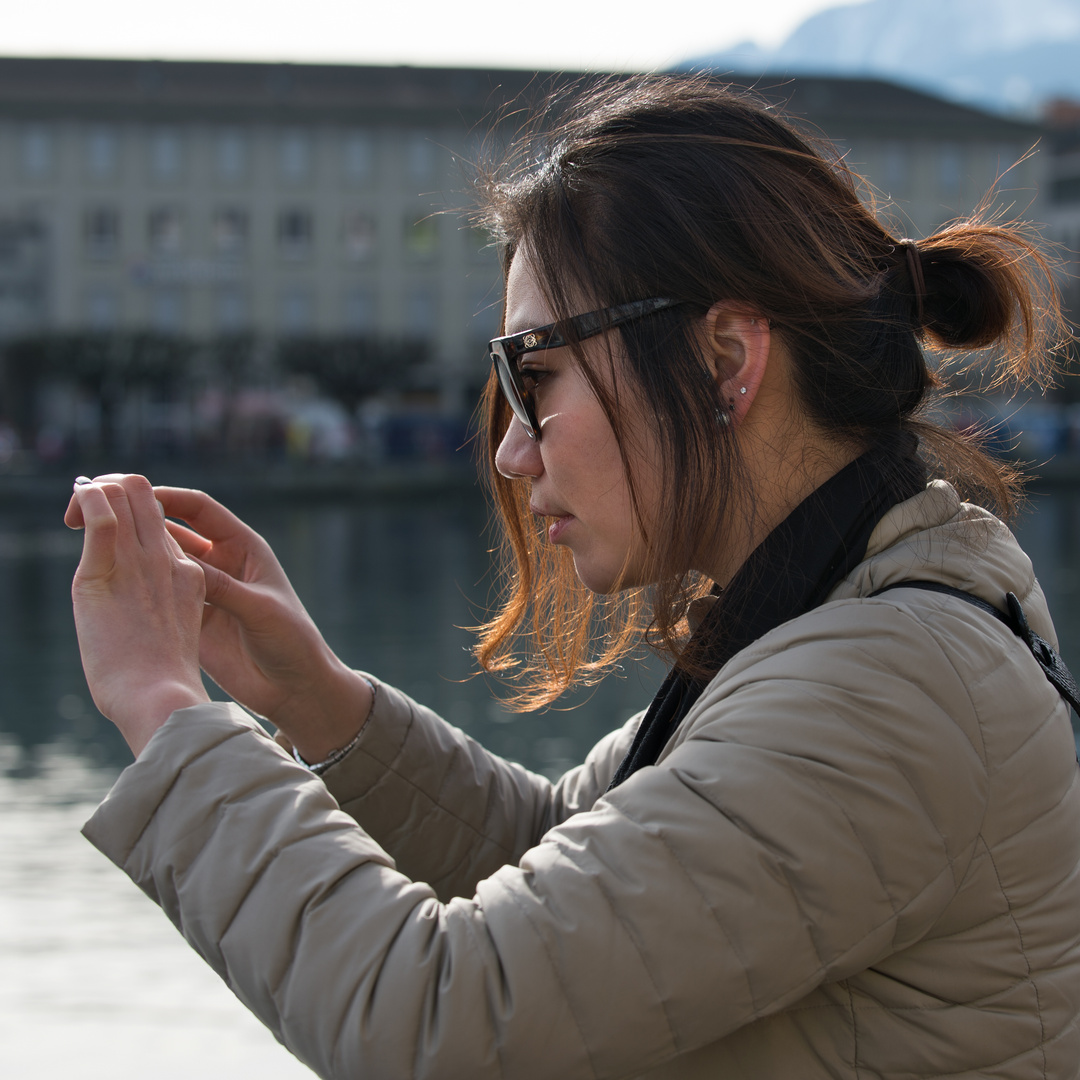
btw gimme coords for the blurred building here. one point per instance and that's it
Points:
(926, 159)
(1061, 208)
(217, 200)
(212, 198)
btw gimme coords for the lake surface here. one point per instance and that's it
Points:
(93, 981)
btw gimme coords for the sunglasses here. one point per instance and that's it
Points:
(505, 351)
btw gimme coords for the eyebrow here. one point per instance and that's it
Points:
(529, 326)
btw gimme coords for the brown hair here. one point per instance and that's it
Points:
(680, 187)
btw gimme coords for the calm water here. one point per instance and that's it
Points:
(93, 981)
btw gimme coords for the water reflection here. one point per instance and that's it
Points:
(391, 584)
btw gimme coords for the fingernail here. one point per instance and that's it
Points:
(161, 507)
(83, 480)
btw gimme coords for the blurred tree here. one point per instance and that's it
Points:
(105, 365)
(350, 369)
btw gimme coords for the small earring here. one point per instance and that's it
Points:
(742, 389)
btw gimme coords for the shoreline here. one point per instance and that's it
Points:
(267, 482)
(346, 481)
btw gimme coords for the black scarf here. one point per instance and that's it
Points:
(790, 572)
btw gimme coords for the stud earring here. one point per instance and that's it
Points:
(742, 390)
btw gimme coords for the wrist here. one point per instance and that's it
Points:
(327, 720)
(320, 766)
(148, 711)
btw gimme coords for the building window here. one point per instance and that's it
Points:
(20, 240)
(421, 237)
(1065, 189)
(166, 154)
(36, 151)
(420, 157)
(167, 310)
(20, 308)
(229, 231)
(896, 168)
(231, 310)
(295, 233)
(358, 237)
(950, 170)
(101, 309)
(230, 155)
(296, 311)
(165, 230)
(1007, 155)
(359, 151)
(360, 311)
(102, 153)
(420, 312)
(294, 155)
(101, 232)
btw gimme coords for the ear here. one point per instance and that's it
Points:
(737, 343)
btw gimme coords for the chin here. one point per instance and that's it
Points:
(595, 579)
(605, 580)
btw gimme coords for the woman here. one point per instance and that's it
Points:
(844, 839)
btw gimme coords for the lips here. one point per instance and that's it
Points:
(557, 525)
(556, 528)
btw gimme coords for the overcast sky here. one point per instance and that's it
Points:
(560, 34)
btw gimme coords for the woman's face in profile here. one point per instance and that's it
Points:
(578, 482)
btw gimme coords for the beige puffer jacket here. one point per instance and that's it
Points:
(858, 857)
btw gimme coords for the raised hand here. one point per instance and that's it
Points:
(138, 605)
(258, 642)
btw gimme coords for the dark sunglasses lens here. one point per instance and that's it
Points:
(514, 394)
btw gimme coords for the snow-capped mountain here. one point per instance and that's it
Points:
(1005, 54)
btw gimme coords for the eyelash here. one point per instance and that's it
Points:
(532, 377)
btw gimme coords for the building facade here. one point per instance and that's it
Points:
(927, 160)
(210, 200)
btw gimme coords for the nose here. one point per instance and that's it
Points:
(518, 456)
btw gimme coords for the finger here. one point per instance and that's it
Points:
(99, 542)
(225, 592)
(107, 478)
(73, 515)
(127, 536)
(109, 482)
(177, 551)
(190, 541)
(147, 514)
(204, 514)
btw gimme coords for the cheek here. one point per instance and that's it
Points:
(598, 467)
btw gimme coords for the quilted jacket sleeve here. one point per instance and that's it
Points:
(449, 812)
(817, 815)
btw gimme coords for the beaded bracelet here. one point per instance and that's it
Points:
(319, 767)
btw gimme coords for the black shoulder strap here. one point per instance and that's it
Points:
(1052, 665)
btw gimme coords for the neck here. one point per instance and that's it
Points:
(782, 471)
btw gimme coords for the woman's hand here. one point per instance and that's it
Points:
(258, 642)
(138, 607)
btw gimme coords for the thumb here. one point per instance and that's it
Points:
(226, 592)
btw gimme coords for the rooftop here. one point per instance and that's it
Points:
(36, 87)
